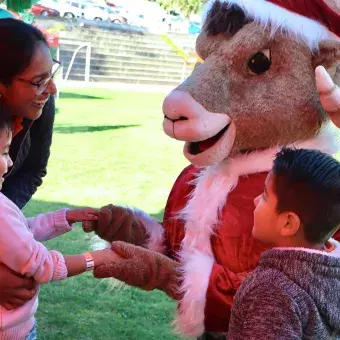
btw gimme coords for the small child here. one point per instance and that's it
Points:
(22, 252)
(294, 293)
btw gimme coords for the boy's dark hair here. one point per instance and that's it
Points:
(18, 42)
(307, 182)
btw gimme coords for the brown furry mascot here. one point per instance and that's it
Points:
(254, 92)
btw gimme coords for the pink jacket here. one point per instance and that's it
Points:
(21, 250)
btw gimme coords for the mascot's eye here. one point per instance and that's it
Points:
(260, 62)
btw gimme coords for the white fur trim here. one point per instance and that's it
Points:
(98, 244)
(154, 230)
(201, 215)
(264, 12)
(196, 270)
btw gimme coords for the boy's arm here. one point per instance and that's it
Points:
(265, 313)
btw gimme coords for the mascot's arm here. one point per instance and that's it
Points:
(142, 268)
(199, 309)
(134, 226)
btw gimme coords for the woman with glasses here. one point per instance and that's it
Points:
(26, 90)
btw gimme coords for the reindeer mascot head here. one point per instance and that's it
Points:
(254, 92)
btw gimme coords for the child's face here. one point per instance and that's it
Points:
(5, 160)
(266, 219)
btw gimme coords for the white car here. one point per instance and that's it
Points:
(65, 9)
(91, 11)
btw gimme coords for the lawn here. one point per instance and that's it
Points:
(108, 147)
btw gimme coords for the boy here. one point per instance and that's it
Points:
(294, 293)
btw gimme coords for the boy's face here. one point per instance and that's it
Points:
(5, 160)
(266, 220)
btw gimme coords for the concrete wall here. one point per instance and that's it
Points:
(126, 56)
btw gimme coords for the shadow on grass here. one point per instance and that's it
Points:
(70, 95)
(79, 129)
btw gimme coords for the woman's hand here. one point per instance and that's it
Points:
(80, 215)
(329, 94)
(15, 290)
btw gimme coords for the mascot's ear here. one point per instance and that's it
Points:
(329, 57)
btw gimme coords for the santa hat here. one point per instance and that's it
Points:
(308, 20)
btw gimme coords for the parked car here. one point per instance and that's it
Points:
(120, 13)
(90, 11)
(67, 10)
(44, 10)
(117, 17)
(95, 12)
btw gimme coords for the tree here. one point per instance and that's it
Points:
(187, 7)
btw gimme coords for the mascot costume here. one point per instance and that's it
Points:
(254, 92)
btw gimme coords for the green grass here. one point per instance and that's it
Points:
(108, 147)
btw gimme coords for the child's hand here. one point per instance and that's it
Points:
(80, 215)
(104, 257)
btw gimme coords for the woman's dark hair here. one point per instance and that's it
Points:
(18, 42)
(307, 182)
(6, 119)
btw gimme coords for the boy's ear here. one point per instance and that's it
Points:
(328, 56)
(290, 224)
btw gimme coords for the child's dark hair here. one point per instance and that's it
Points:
(6, 121)
(307, 182)
(18, 42)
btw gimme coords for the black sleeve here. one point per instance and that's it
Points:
(20, 187)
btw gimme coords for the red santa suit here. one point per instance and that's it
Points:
(208, 218)
(208, 225)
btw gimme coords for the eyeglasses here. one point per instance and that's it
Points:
(42, 85)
